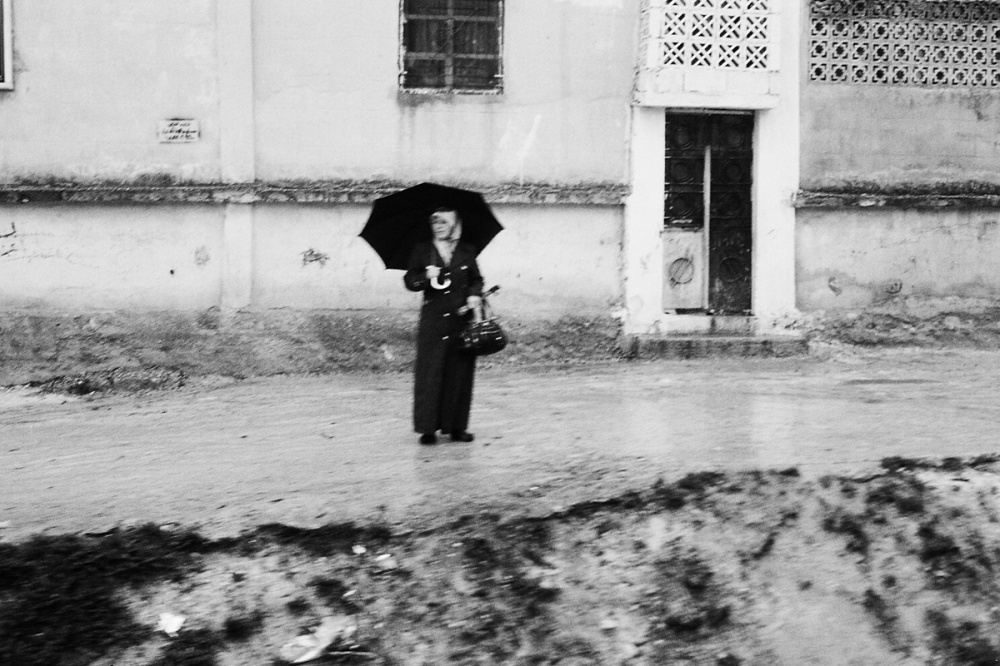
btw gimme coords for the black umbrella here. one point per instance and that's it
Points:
(401, 220)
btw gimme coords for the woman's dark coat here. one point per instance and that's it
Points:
(442, 388)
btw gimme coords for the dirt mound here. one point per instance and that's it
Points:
(124, 380)
(896, 567)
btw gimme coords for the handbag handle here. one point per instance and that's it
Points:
(486, 312)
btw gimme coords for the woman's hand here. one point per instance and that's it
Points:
(433, 272)
(475, 304)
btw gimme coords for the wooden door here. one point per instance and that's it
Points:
(709, 160)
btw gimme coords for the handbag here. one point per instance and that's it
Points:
(485, 336)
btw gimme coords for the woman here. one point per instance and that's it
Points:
(445, 270)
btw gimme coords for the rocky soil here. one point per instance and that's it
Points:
(897, 566)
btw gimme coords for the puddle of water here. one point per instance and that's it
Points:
(877, 382)
(19, 396)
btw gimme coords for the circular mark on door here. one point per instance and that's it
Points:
(731, 270)
(730, 204)
(683, 205)
(733, 172)
(684, 137)
(683, 171)
(681, 271)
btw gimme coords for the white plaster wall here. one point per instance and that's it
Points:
(893, 134)
(108, 257)
(856, 258)
(351, 277)
(93, 79)
(557, 261)
(328, 104)
(581, 278)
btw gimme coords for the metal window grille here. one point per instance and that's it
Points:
(953, 43)
(6, 48)
(721, 34)
(451, 45)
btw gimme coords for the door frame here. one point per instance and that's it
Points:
(775, 180)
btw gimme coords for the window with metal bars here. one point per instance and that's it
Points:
(452, 46)
(6, 50)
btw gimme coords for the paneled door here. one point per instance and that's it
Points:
(708, 212)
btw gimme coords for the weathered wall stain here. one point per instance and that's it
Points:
(979, 104)
(150, 190)
(312, 256)
(201, 256)
(876, 197)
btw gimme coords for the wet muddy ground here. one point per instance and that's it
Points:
(304, 450)
(711, 512)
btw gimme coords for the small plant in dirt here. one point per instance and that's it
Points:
(936, 547)
(243, 626)
(320, 541)
(61, 602)
(699, 483)
(691, 605)
(695, 574)
(960, 642)
(949, 565)
(907, 493)
(298, 606)
(334, 593)
(848, 489)
(839, 521)
(901, 464)
(669, 496)
(674, 496)
(886, 620)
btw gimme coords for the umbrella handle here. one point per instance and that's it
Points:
(437, 284)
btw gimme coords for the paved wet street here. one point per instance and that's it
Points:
(311, 450)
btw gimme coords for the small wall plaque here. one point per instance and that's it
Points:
(179, 130)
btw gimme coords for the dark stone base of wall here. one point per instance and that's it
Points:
(715, 346)
(149, 350)
(913, 323)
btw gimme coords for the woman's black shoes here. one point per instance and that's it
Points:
(460, 436)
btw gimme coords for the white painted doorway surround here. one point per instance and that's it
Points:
(771, 92)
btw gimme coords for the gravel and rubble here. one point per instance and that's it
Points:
(895, 565)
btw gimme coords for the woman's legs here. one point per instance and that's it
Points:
(427, 384)
(456, 392)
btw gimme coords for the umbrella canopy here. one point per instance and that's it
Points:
(401, 220)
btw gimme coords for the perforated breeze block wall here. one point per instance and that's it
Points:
(901, 93)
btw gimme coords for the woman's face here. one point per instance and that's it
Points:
(443, 223)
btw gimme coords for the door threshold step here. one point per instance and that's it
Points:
(714, 346)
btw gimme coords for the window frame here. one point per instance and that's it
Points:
(496, 89)
(6, 46)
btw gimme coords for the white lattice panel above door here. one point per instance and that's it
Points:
(723, 34)
(709, 47)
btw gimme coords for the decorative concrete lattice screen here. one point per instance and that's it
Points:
(905, 42)
(722, 34)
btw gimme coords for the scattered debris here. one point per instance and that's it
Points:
(386, 562)
(312, 646)
(170, 624)
(682, 572)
